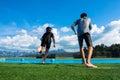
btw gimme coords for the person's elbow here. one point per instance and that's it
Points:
(72, 26)
(90, 27)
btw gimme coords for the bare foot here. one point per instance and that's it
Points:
(91, 65)
(43, 62)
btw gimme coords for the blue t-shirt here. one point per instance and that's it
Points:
(84, 25)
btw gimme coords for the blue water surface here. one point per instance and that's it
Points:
(58, 61)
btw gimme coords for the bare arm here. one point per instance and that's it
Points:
(53, 40)
(72, 26)
(90, 25)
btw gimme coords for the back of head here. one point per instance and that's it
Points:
(48, 29)
(83, 15)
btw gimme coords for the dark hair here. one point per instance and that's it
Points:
(48, 29)
(83, 15)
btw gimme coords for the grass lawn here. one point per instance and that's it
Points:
(9, 71)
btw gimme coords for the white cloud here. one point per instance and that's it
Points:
(96, 30)
(114, 23)
(9, 29)
(69, 40)
(108, 34)
(24, 40)
(39, 30)
(69, 43)
(65, 29)
(56, 34)
(21, 41)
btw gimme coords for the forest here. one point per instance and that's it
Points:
(99, 51)
(105, 51)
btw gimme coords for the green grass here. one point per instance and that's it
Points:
(10, 71)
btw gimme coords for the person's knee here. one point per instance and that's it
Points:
(90, 48)
(81, 48)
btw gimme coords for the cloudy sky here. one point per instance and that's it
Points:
(22, 22)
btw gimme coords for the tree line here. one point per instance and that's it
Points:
(107, 51)
(99, 51)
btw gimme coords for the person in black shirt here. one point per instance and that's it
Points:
(46, 42)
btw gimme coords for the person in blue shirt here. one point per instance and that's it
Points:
(83, 33)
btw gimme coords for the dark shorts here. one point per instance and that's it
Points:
(87, 38)
(46, 44)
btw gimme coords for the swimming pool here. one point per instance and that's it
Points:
(58, 61)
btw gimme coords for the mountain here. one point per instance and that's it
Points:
(4, 52)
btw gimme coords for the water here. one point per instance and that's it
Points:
(58, 61)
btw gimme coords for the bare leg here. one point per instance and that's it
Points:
(90, 51)
(45, 55)
(83, 55)
(42, 49)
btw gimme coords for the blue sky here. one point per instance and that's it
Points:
(27, 19)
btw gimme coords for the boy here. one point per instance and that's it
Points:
(83, 33)
(46, 42)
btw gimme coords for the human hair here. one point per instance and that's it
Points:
(48, 29)
(83, 15)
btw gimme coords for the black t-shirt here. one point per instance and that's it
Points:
(47, 37)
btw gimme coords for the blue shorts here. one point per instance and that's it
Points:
(87, 38)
